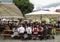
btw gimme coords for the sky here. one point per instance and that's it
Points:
(42, 4)
(49, 4)
(4, 1)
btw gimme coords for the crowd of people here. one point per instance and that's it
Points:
(28, 30)
(25, 30)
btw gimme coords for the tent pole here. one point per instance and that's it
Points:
(35, 18)
(41, 18)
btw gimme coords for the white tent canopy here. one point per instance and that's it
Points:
(44, 14)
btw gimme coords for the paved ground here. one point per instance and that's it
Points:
(57, 39)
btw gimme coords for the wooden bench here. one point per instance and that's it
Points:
(58, 30)
(7, 30)
(7, 35)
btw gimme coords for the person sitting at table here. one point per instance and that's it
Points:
(29, 31)
(15, 32)
(21, 31)
(35, 33)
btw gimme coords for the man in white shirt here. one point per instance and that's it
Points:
(29, 31)
(21, 31)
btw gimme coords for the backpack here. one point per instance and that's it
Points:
(35, 30)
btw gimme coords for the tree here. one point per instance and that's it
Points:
(24, 5)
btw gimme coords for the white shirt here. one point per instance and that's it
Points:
(29, 30)
(21, 30)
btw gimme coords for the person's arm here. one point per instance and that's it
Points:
(30, 30)
(24, 29)
(33, 29)
(38, 29)
(18, 29)
(13, 29)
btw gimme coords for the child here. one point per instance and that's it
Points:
(41, 32)
(35, 33)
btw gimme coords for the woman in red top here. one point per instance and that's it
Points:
(35, 33)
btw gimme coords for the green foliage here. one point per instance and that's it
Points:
(52, 20)
(24, 5)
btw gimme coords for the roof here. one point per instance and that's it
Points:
(10, 11)
(57, 10)
(42, 12)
